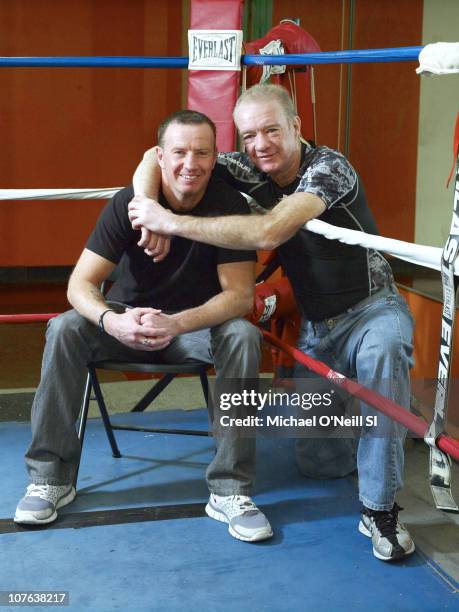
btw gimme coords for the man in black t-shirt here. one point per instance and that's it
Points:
(353, 318)
(186, 307)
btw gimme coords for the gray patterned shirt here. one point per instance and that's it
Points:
(327, 276)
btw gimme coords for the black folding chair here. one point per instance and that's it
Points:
(168, 373)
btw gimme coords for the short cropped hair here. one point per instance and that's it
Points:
(184, 117)
(264, 92)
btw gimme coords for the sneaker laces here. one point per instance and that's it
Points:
(243, 504)
(47, 492)
(386, 520)
(37, 490)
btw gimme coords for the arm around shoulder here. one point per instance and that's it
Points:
(287, 217)
(147, 176)
(264, 232)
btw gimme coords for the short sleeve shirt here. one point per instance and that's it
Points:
(188, 276)
(327, 276)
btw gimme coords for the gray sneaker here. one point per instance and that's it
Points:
(40, 503)
(245, 521)
(391, 539)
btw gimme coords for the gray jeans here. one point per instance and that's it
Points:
(71, 342)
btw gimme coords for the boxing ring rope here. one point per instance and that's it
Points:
(396, 54)
(58, 194)
(419, 254)
(430, 255)
(28, 318)
(409, 420)
(427, 256)
(112, 61)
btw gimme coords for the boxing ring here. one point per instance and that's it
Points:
(430, 257)
(443, 446)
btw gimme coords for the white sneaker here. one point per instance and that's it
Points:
(245, 521)
(40, 503)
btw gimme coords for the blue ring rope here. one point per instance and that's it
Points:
(398, 54)
(95, 62)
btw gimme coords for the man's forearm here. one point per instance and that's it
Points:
(87, 299)
(235, 232)
(127, 327)
(147, 176)
(222, 307)
(265, 232)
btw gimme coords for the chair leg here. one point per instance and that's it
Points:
(205, 391)
(153, 393)
(84, 410)
(103, 411)
(82, 422)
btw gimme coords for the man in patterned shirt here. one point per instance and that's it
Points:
(353, 318)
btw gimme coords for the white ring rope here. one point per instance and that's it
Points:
(58, 194)
(418, 254)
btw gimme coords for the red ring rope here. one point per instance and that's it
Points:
(27, 318)
(412, 422)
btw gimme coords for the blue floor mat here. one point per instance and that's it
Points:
(316, 561)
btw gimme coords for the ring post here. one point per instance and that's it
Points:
(440, 463)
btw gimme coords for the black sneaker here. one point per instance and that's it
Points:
(390, 537)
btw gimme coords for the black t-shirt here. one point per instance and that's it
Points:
(188, 276)
(327, 276)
